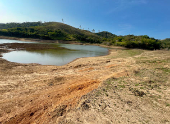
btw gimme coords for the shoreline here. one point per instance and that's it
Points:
(124, 83)
(61, 42)
(37, 40)
(51, 71)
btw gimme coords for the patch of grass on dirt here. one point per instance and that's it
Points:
(98, 93)
(121, 86)
(145, 86)
(133, 52)
(128, 53)
(167, 104)
(166, 70)
(152, 61)
(141, 87)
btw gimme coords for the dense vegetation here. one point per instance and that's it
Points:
(48, 31)
(15, 25)
(166, 43)
(60, 31)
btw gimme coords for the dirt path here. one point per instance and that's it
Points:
(33, 93)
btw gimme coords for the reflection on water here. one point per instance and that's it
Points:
(55, 57)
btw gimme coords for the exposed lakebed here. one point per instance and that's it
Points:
(47, 53)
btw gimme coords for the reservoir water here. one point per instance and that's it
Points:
(13, 41)
(53, 57)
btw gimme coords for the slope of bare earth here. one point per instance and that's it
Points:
(126, 86)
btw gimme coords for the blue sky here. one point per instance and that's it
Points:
(120, 17)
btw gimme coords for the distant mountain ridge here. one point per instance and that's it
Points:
(15, 25)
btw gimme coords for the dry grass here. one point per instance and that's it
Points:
(141, 97)
(135, 89)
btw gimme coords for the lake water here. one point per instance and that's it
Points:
(51, 56)
(13, 41)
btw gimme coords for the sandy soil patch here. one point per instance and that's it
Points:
(33, 93)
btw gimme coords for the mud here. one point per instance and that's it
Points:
(28, 46)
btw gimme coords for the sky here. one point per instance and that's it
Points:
(120, 17)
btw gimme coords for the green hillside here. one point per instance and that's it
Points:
(106, 34)
(61, 31)
(166, 43)
(48, 31)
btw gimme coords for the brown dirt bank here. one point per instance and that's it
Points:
(29, 46)
(58, 41)
(38, 40)
(33, 93)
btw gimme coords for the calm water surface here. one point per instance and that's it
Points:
(13, 41)
(53, 57)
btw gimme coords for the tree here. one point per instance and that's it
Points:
(93, 31)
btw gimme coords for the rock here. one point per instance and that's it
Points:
(107, 61)
(84, 105)
(129, 102)
(137, 92)
(59, 111)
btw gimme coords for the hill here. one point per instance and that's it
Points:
(47, 30)
(61, 31)
(106, 34)
(15, 25)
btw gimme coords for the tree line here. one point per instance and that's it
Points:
(60, 31)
